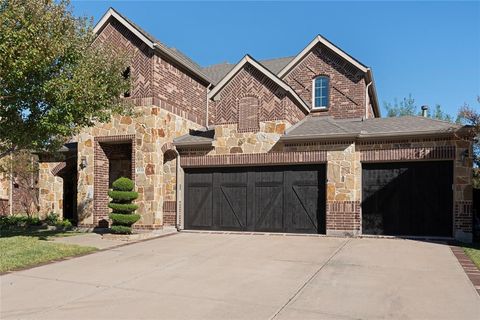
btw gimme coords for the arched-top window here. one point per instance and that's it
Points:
(320, 92)
(126, 76)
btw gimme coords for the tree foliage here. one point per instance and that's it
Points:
(54, 79)
(407, 107)
(471, 116)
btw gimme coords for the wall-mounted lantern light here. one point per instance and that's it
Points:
(83, 162)
(465, 156)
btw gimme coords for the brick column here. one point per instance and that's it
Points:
(463, 193)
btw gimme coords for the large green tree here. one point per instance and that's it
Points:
(53, 81)
(408, 107)
(471, 116)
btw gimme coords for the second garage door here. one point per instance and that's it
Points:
(270, 199)
(409, 198)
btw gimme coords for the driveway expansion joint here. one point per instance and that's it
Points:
(297, 293)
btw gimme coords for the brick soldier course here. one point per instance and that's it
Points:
(254, 113)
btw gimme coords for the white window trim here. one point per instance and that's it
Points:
(313, 94)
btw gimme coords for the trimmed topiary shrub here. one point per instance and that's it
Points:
(124, 219)
(123, 209)
(121, 229)
(123, 184)
(123, 195)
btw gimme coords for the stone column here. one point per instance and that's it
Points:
(343, 191)
(50, 189)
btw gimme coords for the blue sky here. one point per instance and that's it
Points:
(429, 49)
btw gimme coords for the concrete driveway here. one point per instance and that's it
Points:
(230, 276)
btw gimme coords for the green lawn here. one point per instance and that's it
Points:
(473, 252)
(28, 249)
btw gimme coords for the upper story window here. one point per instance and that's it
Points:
(126, 76)
(320, 92)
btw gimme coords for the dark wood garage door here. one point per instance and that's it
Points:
(270, 199)
(410, 198)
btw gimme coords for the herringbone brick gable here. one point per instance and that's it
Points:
(273, 101)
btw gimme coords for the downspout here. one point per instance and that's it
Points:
(10, 190)
(366, 100)
(208, 91)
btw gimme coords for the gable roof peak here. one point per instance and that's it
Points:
(174, 54)
(257, 65)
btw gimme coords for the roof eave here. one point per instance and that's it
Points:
(180, 144)
(112, 13)
(344, 136)
(328, 44)
(202, 76)
(373, 136)
(151, 44)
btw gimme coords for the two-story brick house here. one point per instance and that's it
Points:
(291, 144)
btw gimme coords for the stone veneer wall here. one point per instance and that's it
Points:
(4, 195)
(151, 129)
(50, 189)
(229, 140)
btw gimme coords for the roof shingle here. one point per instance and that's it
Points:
(328, 127)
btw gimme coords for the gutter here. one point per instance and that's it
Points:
(192, 144)
(208, 90)
(369, 77)
(366, 100)
(360, 135)
(320, 137)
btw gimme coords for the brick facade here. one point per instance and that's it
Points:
(347, 84)
(157, 78)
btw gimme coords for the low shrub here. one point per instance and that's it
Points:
(120, 229)
(51, 219)
(18, 221)
(124, 219)
(123, 184)
(34, 221)
(64, 224)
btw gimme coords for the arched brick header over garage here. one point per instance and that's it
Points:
(59, 168)
(168, 146)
